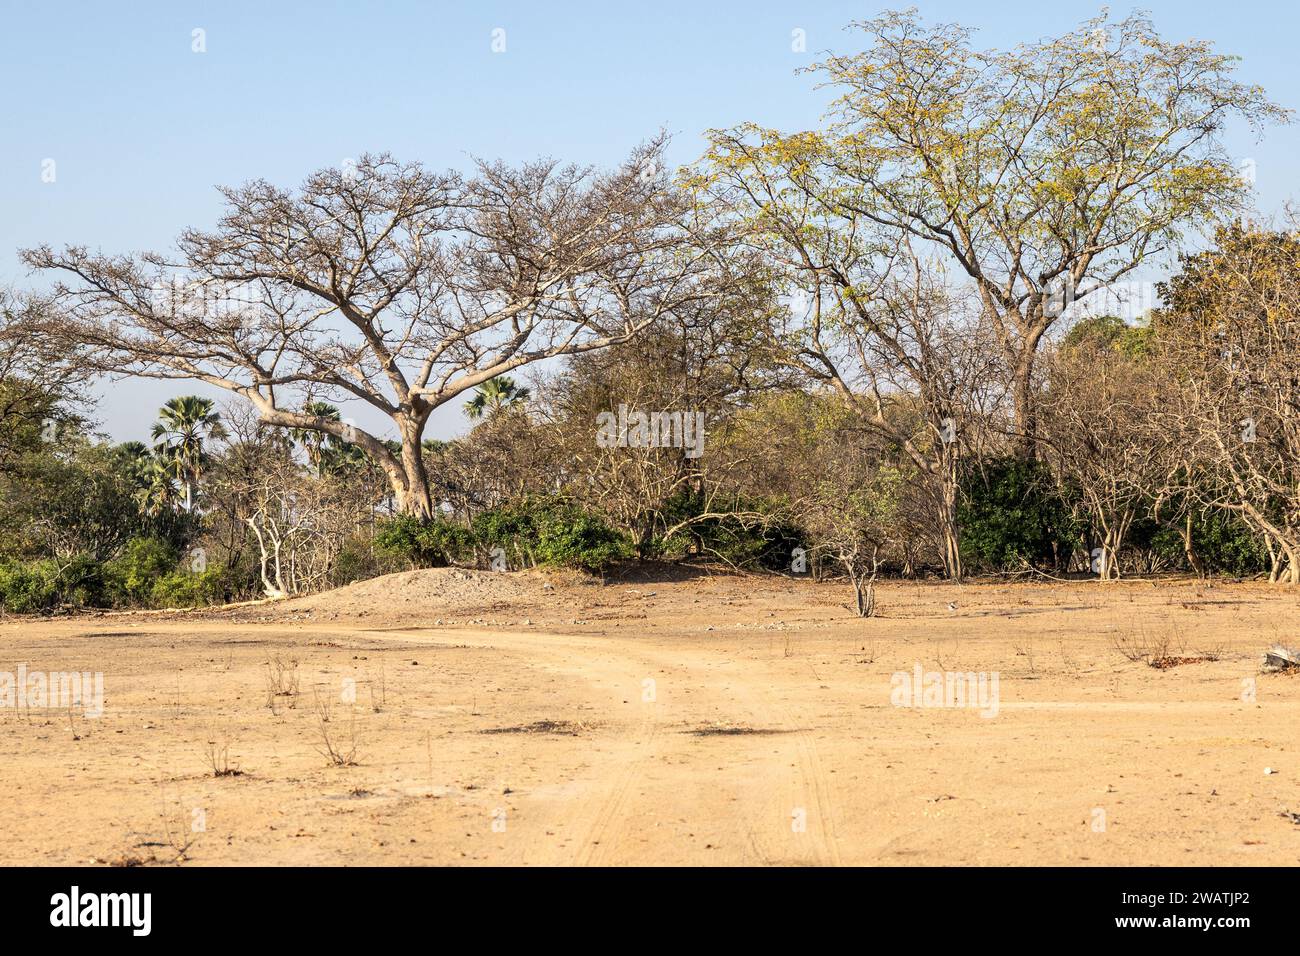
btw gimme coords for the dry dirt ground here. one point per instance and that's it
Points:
(713, 719)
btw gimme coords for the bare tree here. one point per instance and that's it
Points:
(295, 521)
(1229, 342)
(694, 366)
(1095, 413)
(39, 379)
(850, 513)
(389, 284)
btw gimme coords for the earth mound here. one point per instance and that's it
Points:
(428, 595)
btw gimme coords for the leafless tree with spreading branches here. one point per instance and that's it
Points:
(390, 284)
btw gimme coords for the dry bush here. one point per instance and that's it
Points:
(1212, 652)
(333, 746)
(72, 725)
(217, 751)
(1160, 650)
(281, 680)
(1135, 646)
(1067, 659)
(428, 751)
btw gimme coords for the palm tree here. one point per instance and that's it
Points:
(157, 492)
(316, 443)
(344, 458)
(495, 396)
(153, 478)
(141, 468)
(183, 426)
(135, 456)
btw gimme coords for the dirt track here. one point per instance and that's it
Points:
(726, 720)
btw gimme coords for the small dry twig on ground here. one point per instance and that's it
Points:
(1026, 651)
(1067, 659)
(945, 656)
(379, 690)
(428, 749)
(178, 836)
(175, 705)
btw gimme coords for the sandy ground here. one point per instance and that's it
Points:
(731, 720)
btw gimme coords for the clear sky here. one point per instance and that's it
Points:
(141, 127)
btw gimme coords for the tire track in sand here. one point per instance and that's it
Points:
(612, 807)
(615, 670)
(810, 784)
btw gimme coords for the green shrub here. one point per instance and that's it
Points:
(81, 583)
(145, 575)
(1012, 516)
(355, 561)
(580, 540)
(1222, 542)
(1227, 545)
(395, 538)
(512, 528)
(431, 543)
(550, 531)
(764, 541)
(132, 575)
(29, 587)
(189, 589)
(530, 531)
(445, 541)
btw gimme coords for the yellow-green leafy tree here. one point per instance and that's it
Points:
(1039, 174)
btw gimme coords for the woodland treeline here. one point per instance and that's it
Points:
(897, 327)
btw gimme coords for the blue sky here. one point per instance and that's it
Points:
(141, 128)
